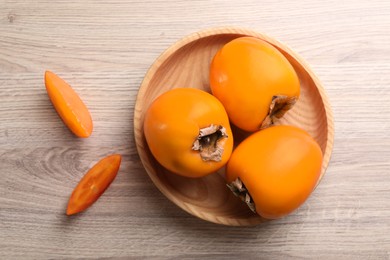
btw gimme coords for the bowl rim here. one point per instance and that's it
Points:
(226, 30)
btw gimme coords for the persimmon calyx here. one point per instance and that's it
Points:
(279, 106)
(210, 142)
(238, 188)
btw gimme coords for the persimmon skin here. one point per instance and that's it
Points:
(280, 166)
(172, 124)
(245, 74)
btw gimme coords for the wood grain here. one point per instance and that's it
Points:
(103, 49)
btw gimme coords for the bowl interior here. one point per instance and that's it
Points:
(186, 64)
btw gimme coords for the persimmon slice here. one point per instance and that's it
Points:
(69, 106)
(93, 184)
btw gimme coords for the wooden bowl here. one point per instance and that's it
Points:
(186, 64)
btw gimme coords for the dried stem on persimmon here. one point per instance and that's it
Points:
(279, 106)
(238, 188)
(210, 142)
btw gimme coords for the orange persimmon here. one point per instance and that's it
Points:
(254, 81)
(275, 170)
(188, 132)
(68, 105)
(93, 184)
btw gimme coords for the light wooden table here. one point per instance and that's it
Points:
(104, 49)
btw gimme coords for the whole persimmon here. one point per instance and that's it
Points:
(275, 170)
(254, 81)
(188, 132)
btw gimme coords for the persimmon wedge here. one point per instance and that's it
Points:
(69, 106)
(93, 184)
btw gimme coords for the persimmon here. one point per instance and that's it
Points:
(93, 184)
(188, 132)
(254, 81)
(69, 106)
(275, 170)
